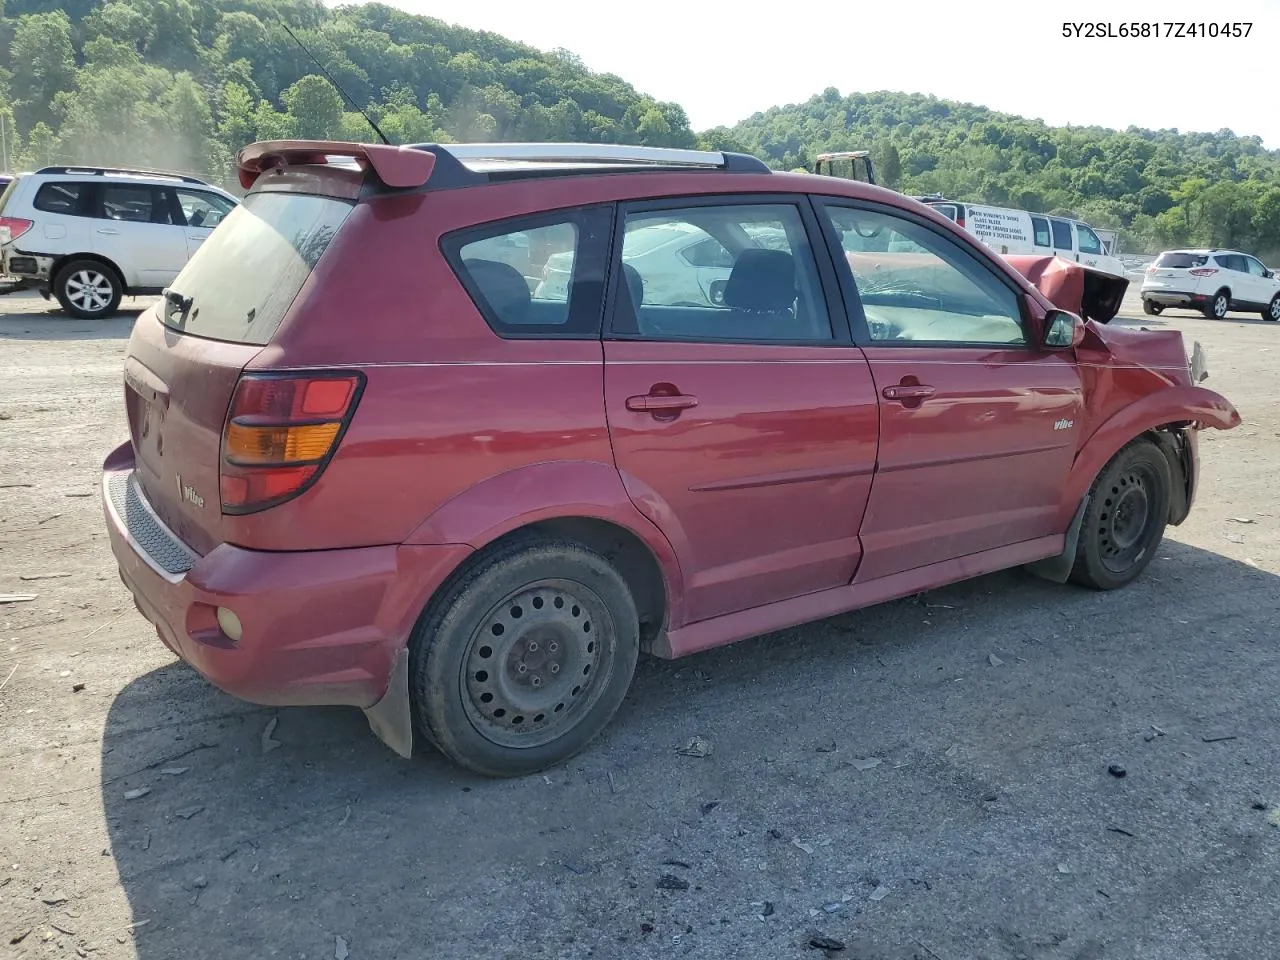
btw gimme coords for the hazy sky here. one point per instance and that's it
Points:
(722, 62)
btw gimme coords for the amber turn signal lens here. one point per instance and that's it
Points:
(279, 445)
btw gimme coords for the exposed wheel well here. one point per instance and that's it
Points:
(71, 257)
(1171, 440)
(627, 552)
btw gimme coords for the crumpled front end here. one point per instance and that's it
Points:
(1092, 294)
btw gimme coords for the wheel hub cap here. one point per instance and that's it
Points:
(538, 661)
(89, 290)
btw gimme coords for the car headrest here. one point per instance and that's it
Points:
(502, 287)
(635, 283)
(762, 281)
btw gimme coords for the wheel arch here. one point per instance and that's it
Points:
(62, 261)
(582, 501)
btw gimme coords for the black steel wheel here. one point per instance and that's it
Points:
(524, 657)
(1126, 518)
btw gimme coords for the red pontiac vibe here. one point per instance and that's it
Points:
(452, 433)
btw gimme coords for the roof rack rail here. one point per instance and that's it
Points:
(67, 171)
(601, 153)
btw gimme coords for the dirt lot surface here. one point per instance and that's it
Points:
(140, 815)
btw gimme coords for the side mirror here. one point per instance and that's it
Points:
(1062, 330)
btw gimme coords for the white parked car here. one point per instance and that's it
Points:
(91, 235)
(1211, 281)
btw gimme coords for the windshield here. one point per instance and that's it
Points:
(241, 281)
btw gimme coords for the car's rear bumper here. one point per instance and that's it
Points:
(318, 627)
(1176, 298)
(21, 265)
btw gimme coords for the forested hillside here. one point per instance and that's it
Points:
(1162, 187)
(183, 84)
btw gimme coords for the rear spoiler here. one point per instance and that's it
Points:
(402, 167)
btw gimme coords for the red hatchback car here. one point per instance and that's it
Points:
(452, 433)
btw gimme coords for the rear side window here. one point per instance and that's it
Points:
(203, 209)
(1040, 227)
(1061, 234)
(135, 203)
(1231, 261)
(242, 280)
(535, 278)
(1181, 261)
(62, 198)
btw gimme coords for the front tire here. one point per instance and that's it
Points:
(524, 658)
(1273, 311)
(1126, 518)
(1151, 308)
(88, 289)
(1217, 309)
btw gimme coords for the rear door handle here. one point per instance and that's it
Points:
(657, 404)
(908, 392)
(107, 232)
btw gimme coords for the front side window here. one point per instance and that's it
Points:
(1040, 227)
(1255, 267)
(722, 272)
(919, 288)
(1089, 242)
(203, 209)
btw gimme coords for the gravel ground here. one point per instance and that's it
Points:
(989, 827)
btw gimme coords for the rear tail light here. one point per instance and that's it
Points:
(280, 434)
(1203, 272)
(11, 228)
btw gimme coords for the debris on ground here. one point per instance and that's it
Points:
(77, 687)
(1117, 771)
(709, 806)
(879, 893)
(18, 597)
(806, 847)
(1259, 805)
(866, 763)
(1241, 520)
(676, 863)
(696, 747)
(42, 576)
(1234, 537)
(188, 812)
(1219, 739)
(21, 935)
(835, 906)
(1063, 868)
(174, 771)
(340, 951)
(269, 743)
(827, 747)
(135, 794)
(994, 660)
(669, 881)
(646, 927)
(991, 796)
(775, 833)
(613, 784)
(1120, 830)
(952, 750)
(768, 909)
(53, 516)
(57, 900)
(830, 944)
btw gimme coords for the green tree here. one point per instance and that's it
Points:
(315, 107)
(42, 61)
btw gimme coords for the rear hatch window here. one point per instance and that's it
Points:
(1180, 261)
(239, 284)
(6, 190)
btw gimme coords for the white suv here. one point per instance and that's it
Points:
(1211, 281)
(90, 235)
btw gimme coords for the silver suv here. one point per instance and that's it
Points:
(91, 235)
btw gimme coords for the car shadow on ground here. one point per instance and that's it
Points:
(952, 747)
(54, 325)
(1246, 318)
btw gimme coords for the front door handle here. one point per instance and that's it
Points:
(908, 391)
(108, 232)
(658, 403)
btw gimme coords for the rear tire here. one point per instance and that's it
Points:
(1151, 308)
(524, 657)
(1272, 312)
(1218, 307)
(88, 289)
(1126, 518)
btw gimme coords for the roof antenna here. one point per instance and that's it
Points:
(381, 136)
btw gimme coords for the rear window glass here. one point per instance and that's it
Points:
(1181, 261)
(59, 197)
(242, 280)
